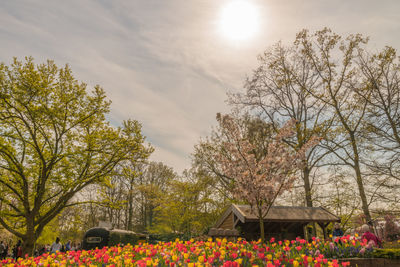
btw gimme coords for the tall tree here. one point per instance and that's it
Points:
(54, 142)
(382, 95)
(277, 92)
(259, 178)
(112, 199)
(334, 60)
(119, 195)
(155, 183)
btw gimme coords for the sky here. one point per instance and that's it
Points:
(167, 63)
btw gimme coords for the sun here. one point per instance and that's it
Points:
(239, 20)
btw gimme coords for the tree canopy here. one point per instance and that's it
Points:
(54, 142)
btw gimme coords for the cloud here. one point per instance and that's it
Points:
(164, 62)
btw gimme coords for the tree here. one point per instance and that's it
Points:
(382, 96)
(155, 183)
(259, 178)
(131, 171)
(112, 199)
(189, 206)
(258, 132)
(339, 197)
(54, 142)
(334, 60)
(277, 93)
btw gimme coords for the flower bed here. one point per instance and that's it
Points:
(297, 252)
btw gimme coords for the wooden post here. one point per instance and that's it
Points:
(323, 225)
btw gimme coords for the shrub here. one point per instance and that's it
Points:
(391, 253)
(392, 231)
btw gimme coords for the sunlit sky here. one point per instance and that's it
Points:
(170, 63)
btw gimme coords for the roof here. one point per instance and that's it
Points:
(281, 214)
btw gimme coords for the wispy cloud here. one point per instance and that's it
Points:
(164, 62)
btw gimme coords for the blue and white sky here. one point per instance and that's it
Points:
(166, 63)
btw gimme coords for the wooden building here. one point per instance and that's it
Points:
(281, 222)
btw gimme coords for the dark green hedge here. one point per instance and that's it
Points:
(123, 238)
(154, 238)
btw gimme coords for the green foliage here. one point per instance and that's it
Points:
(70, 223)
(54, 142)
(189, 207)
(50, 233)
(388, 253)
(392, 244)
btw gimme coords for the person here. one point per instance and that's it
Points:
(17, 250)
(73, 246)
(42, 250)
(68, 246)
(370, 237)
(7, 246)
(337, 232)
(56, 246)
(2, 249)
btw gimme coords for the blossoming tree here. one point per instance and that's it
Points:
(259, 177)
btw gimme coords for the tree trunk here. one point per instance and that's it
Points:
(362, 193)
(151, 215)
(28, 244)
(262, 233)
(126, 216)
(130, 207)
(307, 187)
(359, 179)
(307, 191)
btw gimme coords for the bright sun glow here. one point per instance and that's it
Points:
(239, 20)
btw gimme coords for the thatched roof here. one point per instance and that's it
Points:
(281, 214)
